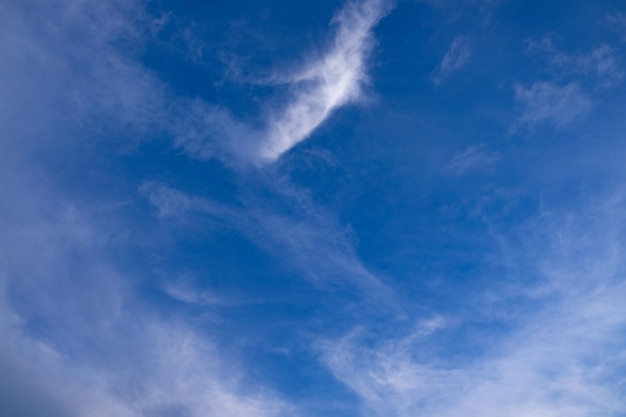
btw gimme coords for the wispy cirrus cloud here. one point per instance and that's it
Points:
(319, 86)
(111, 85)
(546, 102)
(186, 293)
(601, 63)
(308, 239)
(562, 100)
(76, 339)
(566, 358)
(474, 158)
(457, 56)
(328, 82)
(617, 22)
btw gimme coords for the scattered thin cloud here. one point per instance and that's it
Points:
(80, 365)
(474, 158)
(76, 338)
(300, 240)
(175, 204)
(189, 294)
(320, 86)
(546, 102)
(617, 23)
(601, 63)
(566, 358)
(457, 56)
(136, 98)
(561, 101)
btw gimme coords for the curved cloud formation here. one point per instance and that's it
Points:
(328, 83)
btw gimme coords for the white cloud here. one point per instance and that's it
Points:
(75, 338)
(95, 349)
(617, 22)
(561, 364)
(110, 84)
(471, 159)
(456, 57)
(308, 239)
(319, 87)
(544, 102)
(185, 292)
(564, 356)
(601, 63)
(67, 75)
(173, 203)
(328, 82)
(172, 370)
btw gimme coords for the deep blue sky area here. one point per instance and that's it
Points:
(361, 208)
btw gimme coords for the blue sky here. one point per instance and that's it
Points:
(338, 208)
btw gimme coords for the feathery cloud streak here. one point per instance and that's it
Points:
(474, 158)
(457, 56)
(308, 236)
(317, 88)
(327, 83)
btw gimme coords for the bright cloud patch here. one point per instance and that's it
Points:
(328, 83)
